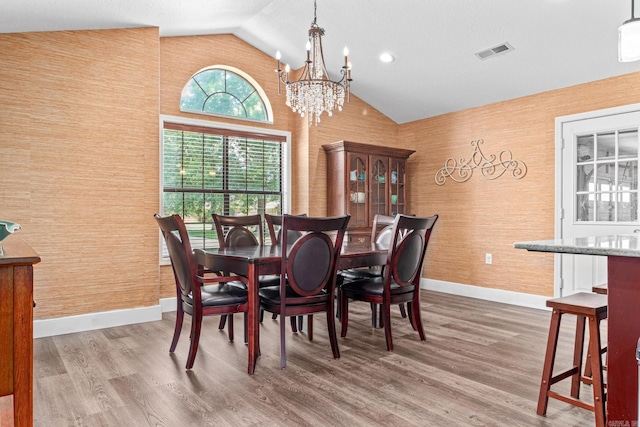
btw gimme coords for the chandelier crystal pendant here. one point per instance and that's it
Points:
(629, 39)
(314, 93)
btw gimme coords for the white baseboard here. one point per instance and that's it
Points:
(108, 319)
(168, 304)
(90, 321)
(497, 295)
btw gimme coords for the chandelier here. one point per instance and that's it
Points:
(314, 93)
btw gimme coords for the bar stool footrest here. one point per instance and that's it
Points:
(564, 375)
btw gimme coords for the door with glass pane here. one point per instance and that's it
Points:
(398, 178)
(357, 204)
(599, 190)
(378, 183)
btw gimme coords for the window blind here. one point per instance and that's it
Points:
(210, 170)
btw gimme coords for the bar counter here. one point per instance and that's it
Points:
(623, 277)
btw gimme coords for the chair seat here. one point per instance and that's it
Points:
(270, 296)
(360, 273)
(272, 280)
(600, 289)
(225, 294)
(374, 286)
(581, 303)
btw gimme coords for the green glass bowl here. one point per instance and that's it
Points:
(6, 228)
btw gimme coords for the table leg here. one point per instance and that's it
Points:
(623, 333)
(253, 318)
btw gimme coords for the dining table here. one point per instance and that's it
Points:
(623, 324)
(255, 261)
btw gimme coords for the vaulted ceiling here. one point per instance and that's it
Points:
(556, 43)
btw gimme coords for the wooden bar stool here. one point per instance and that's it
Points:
(600, 289)
(585, 306)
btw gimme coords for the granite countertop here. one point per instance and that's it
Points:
(616, 244)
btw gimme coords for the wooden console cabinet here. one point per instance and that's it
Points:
(364, 180)
(16, 329)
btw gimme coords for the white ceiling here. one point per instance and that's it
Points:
(558, 43)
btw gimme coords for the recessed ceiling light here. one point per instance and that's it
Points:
(386, 57)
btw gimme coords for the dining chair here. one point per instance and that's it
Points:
(380, 234)
(308, 274)
(197, 295)
(400, 280)
(274, 225)
(238, 232)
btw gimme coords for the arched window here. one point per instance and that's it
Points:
(225, 91)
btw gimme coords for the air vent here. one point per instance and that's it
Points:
(493, 51)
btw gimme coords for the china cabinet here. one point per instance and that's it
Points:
(364, 180)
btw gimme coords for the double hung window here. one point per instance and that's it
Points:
(216, 170)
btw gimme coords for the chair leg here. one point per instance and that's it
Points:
(230, 316)
(403, 313)
(246, 327)
(196, 325)
(294, 325)
(410, 316)
(549, 360)
(344, 314)
(309, 325)
(386, 318)
(374, 315)
(223, 321)
(578, 349)
(300, 323)
(333, 338)
(283, 351)
(261, 315)
(596, 369)
(274, 316)
(177, 329)
(415, 316)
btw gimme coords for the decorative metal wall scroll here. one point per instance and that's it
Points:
(491, 168)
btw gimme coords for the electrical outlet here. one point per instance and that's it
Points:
(488, 258)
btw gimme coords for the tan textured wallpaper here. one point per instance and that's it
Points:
(79, 162)
(480, 216)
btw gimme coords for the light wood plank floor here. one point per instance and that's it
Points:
(480, 366)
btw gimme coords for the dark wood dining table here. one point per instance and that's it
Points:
(257, 261)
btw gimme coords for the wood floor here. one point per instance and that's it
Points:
(480, 366)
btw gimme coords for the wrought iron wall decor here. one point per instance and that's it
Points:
(491, 168)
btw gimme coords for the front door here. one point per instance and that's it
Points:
(599, 190)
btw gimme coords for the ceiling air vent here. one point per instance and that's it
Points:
(493, 51)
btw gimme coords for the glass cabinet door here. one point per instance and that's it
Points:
(357, 203)
(396, 185)
(378, 185)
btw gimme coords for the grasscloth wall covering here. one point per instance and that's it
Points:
(79, 163)
(479, 216)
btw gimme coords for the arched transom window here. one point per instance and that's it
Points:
(225, 91)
